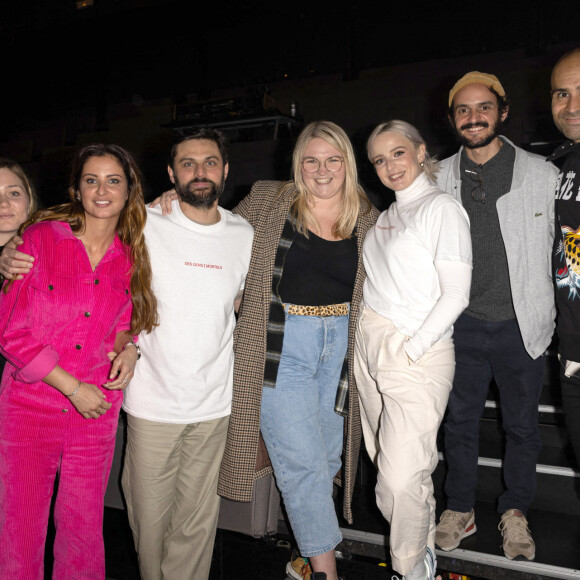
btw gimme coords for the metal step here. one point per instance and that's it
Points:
(555, 450)
(550, 409)
(557, 488)
(487, 566)
(548, 469)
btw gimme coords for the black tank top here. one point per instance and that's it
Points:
(318, 271)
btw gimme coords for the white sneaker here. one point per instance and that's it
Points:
(425, 570)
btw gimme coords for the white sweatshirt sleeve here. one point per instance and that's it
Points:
(455, 282)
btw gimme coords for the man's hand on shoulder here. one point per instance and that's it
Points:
(14, 264)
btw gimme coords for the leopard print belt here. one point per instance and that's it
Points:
(326, 310)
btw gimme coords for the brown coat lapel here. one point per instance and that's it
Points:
(245, 457)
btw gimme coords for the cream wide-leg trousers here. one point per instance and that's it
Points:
(402, 405)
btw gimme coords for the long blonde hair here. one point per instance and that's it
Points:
(129, 228)
(353, 196)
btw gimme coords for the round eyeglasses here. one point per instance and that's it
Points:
(312, 164)
(477, 193)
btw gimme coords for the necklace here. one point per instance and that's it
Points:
(95, 261)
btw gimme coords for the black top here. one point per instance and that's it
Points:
(567, 249)
(490, 295)
(318, 271)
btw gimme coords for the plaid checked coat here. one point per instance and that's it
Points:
(245, 458)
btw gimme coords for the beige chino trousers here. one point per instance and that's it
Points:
(170, 484)
(402, 405)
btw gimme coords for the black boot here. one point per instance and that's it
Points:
(319, 576)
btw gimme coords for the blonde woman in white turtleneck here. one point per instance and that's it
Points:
(418, 263)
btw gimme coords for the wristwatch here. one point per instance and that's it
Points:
(131, 343)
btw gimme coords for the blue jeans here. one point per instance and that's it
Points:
(303, 434)
(486, 350)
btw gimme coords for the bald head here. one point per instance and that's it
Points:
(566, 95)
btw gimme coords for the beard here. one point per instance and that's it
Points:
(473, 142)
(196, 197)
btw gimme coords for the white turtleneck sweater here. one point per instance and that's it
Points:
(418, 263)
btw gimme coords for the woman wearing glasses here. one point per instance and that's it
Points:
(294, 337)
(294, 340)
(418, 264)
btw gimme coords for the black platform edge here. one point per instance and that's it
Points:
(465, 562)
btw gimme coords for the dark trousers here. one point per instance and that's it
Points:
(571, 406)
(486, 350)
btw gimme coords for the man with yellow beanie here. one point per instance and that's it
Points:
(508, 194)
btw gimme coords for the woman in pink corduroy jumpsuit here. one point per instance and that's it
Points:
(87, 294)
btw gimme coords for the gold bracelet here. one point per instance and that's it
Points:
(75, 391)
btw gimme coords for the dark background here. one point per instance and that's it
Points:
(116, 71)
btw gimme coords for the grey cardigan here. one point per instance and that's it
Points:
(526, 218)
